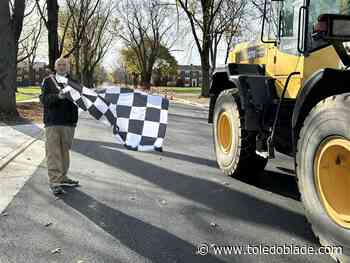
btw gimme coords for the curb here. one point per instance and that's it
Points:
(11, 156)
(187, 102)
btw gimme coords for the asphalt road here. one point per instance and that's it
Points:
(154, 207)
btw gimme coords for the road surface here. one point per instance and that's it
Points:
(154, 207)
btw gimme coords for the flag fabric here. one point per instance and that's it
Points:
(139, 120)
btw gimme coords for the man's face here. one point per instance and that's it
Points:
(61, 67)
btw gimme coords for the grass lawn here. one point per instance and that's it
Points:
(30, 90)
(22, 97)
(27, 93)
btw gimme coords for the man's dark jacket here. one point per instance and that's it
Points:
(57, 111)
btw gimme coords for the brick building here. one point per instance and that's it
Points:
(31, 76)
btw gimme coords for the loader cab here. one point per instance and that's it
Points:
(281, 21)
(290, 24)
(283, 32)
(288, 29)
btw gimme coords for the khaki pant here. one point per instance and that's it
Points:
(58, 143)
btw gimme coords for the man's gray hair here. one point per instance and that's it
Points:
(65, 60)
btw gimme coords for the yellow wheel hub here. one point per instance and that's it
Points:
(224, 132)
(332, 174)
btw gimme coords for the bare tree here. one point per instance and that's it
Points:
(146, 26)
(11, 22)
(259, 5)
(28, 48)
(232, 37)
(90, 48)
(201, 15)
(244, 27)
(30, 38)
(50, 17)
(80, 15)
(271, 17)
(96, 43)
(227, 24)
(29, 43)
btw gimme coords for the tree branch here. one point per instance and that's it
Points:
(41, 13)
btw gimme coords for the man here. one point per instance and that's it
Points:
(60, 119)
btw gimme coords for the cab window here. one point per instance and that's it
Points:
(289, 24)
(288, 18)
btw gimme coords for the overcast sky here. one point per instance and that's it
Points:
(184, 50)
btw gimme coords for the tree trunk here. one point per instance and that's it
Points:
(205, 74)
(134, 80)
(90, 80)
(126, 77)
(227, 55)
(146, 80)
(214, 51)
(8, 61)
(77, 65)
(84, 77)
(228, 50)
(52, 14)
(31, 74)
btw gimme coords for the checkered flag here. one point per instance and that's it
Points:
(139, 120)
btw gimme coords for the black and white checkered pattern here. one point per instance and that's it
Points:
(139, 120)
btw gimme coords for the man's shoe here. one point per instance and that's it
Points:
(57, 190)
(69, 182)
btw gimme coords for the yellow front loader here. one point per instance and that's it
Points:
(290, 91)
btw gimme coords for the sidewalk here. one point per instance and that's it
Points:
(16, 166)
(15, 139)
(193, 100)
(189, 99)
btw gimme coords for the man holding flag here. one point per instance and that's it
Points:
(60, 119)
(138, 120)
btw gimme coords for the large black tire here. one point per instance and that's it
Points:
(327, 120)
(241, 159)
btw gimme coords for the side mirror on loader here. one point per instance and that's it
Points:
(262, 38)
(332, 27)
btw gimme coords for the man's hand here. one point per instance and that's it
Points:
(61, 95)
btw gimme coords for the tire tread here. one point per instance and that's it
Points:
(247, 155)
(324, 103)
